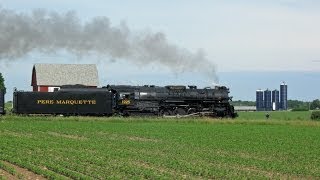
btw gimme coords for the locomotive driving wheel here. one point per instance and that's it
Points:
(192, 110)
(166, 112)
(180, 111)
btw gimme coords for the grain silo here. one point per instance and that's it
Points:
(259, 100)
(275, 100)
(283, 96)
(267, 100)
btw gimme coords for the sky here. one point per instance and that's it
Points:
(253, 44)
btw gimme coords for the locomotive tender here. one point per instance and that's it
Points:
(84, 102)
(127, 100)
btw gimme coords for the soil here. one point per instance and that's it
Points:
(21, 173)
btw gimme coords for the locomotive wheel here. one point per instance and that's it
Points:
(166, 112)
(125, 114)
(180, 111)
(192, 110)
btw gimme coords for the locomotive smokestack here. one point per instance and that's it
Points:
(48, 32)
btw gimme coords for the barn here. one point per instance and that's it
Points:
(50, 77)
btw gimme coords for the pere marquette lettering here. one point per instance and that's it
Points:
(69, 102)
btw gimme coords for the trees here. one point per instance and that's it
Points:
(2, 86)
(315, 104)
(297, 105)
(292, 104)
(243, 103)
(315, 115)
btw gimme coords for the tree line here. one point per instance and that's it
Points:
(294, 105)
(2, 86)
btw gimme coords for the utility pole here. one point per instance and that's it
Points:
(309, 105)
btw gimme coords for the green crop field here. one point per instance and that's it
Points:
(276, 115)
(286, 146)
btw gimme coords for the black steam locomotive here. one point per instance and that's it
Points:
(127, 100)
(172, 100)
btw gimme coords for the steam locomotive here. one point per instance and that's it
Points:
(172, 100)
(127, 101)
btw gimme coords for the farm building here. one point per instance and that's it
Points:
(245, 108)
(50, 77)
